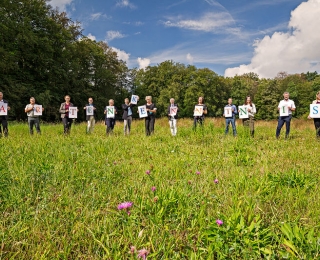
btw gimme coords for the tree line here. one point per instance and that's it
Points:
(44, 54)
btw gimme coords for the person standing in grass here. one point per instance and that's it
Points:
(110, 121)
(200, 119)
(286, 102)
(33, 120)
(316, 121)
(249, 122)
(173, 117)
(91, 119)
(230, 112)
(3, 119)
(151, 118)
(127, 116)
(64, 111)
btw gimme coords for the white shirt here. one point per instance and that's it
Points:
(252, 109)
(30, 113)
(287, 103)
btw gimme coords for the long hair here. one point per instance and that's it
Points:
(245, 101)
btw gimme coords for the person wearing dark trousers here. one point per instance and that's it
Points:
(249, 122)
(316, 121)
(230, 115)
(4, 118)
(91, 119)
(64, 111)
(286, 102)
(127, 116)
(151, 118)
(33, 120)
(173, 117)
(200, 119)
(110, 120)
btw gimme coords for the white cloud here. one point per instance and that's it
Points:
(122, 55)
(61, 4)
(209, 22)
(91, 37)
(294, 51)
(143, 62)
(125, 3)
(111, 35)
(97, 16)
(189, 58)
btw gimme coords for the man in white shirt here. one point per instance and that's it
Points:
(284, 104)
(33, 120)
(3, 119)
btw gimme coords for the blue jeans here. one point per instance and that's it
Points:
(281, 121)
(34, 121)
(231, 120)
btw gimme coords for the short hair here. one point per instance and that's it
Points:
(66, 96)
(149, 97)
(32, 98)
(111, 100)
(1, 93)
(171, 98)
(286, 92)
(316, 94)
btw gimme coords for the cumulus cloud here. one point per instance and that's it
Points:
(91, 37)
(122, 55)
(294, 51)
(189, 58)
(61, 4)
(111, 35)
(125, 3)
(209, 22)
(143, 62)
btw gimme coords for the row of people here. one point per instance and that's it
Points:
(172, 112)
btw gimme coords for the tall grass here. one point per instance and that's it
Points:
(59, 195)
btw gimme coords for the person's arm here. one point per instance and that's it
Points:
(254, 110)
(234, 109)
(28, 108)
(153, 110)
(205, 110)
(62, 109)
(292, 107)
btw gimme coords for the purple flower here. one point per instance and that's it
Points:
(132, 249)
(148, 172)
(143, 253)
(216, 181)
(153, 188)
(219, 222)
(198, 172)
(125, 205)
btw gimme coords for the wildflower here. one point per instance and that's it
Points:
(125, 205)
(198, 172)
(148, 172)
(219, 222)
(143, 253)
(132, 249)
(216, 181)
(128, 212)
(153, 188)
(155, 199)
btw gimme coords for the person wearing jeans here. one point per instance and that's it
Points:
(91, 119)
(33, 120)
(230, 112)
(316, 121)
(127, 116)
(173, 117)
(64, 111)
(286, 102)
(151, 118)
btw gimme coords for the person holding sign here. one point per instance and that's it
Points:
(173, 116)
(285, 107)
(91, 113)
(4, 108)
(64, 111)
(250, 110)
(151, 117)
(33, 112)
(127, 113)
(230, 112)
(198, 113)
(316, 120)
(110, 112)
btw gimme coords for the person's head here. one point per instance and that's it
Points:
(230, 101)
(148, 99)
(200, 100)
(286, 95)
(171, 100)
(111, 102)
(67, 98)
(248, 100)
(90, 100)
(1, 95)
(32, 100)
(317, 95)
(126, 100)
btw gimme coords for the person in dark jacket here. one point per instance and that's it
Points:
(3, 118)
(110, 118)
(173, 116)
(91, 119)
(127, 116)
(64, 111)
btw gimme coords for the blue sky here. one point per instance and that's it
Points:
(226, 36)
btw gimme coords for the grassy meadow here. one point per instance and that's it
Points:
(59, 195)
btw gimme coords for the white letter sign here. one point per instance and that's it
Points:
(3, 109)
(73, 112)
(89, 110)
(110, 112)
(142, 111)
(173, 111)
(284, 111)
(315, 111)
(37, 110)
(228, 112)
(243, 112)
(198, 111)
(134, 99)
